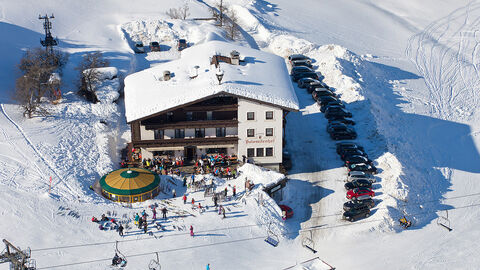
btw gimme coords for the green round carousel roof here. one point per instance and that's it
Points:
(130, 181)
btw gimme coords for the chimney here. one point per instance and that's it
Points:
(235, 56)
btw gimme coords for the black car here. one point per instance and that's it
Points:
(348, 152)
(298, 58)
(353, 215)
(347, 145)
(345, 120)
(182, 44)
(300, 69)
(358, 183)
(362, 167)
(311, 86)
(331, 127)
(321, 92)
(323, 100)
(356, 160)
(299, 63)
(337, 113)
(336, 103)
(343, 135)
(358, 204)
(300, 75)
(304, 82)
(154, 46)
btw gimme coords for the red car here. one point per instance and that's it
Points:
(288, 211)
(360, 193)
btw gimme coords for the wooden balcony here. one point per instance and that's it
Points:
(186, 142)
(212, 108)
(192, 124)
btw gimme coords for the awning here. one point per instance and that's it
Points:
(216, 146)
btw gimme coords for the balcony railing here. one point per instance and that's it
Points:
(192, 124)
(186, 142)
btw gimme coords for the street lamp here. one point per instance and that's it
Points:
(219, 74)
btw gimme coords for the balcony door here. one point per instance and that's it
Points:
(190, 153)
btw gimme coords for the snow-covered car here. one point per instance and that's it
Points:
(299, 63)
(337, 113)
(337, 103)
(304, 82)
(182, 44)
(300, 75)
(353, 215)
(321, 92)
(311, 86)
(358, 183)
(354, 205)
(138, 47)
(154, 46)
(299, 57)
(300, 69)
(360, 193)
(360, 175)
(362, 167)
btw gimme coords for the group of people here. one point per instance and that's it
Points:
(204, 167)
(104, 220)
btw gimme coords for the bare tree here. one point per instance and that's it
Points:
(179, 13)
(231, 26)
(89, 75)
(220, 12)
(37, 66)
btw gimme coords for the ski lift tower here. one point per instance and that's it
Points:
(18, 259)
(49, 41)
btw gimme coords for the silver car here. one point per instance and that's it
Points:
(360, 175)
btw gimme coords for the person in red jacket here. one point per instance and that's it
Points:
(184, 198)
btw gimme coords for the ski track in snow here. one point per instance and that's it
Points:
(446, 54)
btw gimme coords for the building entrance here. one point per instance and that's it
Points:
(190, 153)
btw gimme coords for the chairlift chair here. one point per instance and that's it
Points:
(444, 221)
(309, 244)
(272, 238)
(123, 261)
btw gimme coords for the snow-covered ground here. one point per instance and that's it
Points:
(408, 71)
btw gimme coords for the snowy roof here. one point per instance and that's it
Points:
(262, 76)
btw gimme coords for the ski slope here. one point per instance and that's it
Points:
(408, 71)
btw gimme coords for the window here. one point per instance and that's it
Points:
(269, 151)
(269, 132)
(250, 152)
(199, 133)
(221, 132)
(259, 152)
(169, 116)
(250, 132)
(269, 115)
(209, 115)
(158, 134)
(189, 116)
(250, 116)
(179, 133)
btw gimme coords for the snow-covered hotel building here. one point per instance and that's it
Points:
(190, 113)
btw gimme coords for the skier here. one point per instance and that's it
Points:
(234, 191)
(193, 179)
(174, 193)
(223, 212)
(193, 201)
(94, 219)
(184, 181)
(120, 230)
(145, 227)
(226, 192)
(215, 199)
(191, 231)
(220, 210)
(154, 212)
(164, 212)
(137, 218)
(184, 198)
(208, 266)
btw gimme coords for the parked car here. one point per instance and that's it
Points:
(300, 69)
(347, 145)
(355, 205)
(319, 92)
(154, 46)
(322, 100)
(337, 113)
(352, 152)
(352, 175)
(343, 135)
(332, 127)
(358, 183)
(345, 120)
(298, 63)
(288, 211)
(138, 47)
(353, 215)
(299, 57)
(182, 44)
(302, 83)
(300, 75)
(360, 193)
(362, 167)
(338, 103)
(311, 86)
(356, 159)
